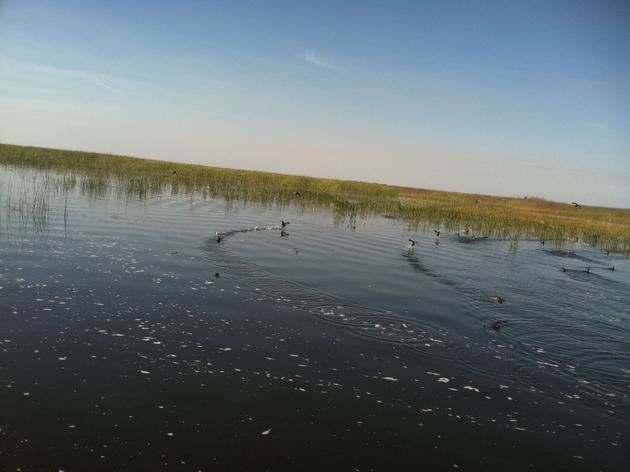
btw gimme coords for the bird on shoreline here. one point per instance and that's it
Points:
(576, 204)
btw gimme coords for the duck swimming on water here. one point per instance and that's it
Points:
(497, 325)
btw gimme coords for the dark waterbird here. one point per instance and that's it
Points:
(297, 194)
(216, 275)
(497, 325)
(563, 269)
(283, 233)
(174, 173)
(612, 269)
(284, 224)
(576, 204)
(587, 270)
(437, 232)
(498, 299)
(219, 238)
(412, 242)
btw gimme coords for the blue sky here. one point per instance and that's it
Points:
(508, 98)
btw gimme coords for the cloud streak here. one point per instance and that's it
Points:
(100, 83)
(316, 60)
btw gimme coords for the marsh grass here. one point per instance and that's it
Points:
(511, 218)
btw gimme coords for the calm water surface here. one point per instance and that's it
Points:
(334, 345)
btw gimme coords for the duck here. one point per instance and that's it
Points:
(411, 242)
(283, 233)
(587, 270)
(437, 232)
(498, 299)
(283, 224)
(612, 268)
(497, 325)
(563, 269)
(576, 204)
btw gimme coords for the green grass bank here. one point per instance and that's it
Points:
(498, 216)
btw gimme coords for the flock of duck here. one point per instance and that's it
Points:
(464, 235)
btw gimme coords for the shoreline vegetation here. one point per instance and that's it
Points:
(509, 218)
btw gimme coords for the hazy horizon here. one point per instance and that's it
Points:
(489, 98)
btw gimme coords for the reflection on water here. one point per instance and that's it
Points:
(132, 339)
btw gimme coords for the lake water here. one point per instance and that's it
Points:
(334, 345)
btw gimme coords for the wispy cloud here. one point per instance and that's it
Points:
(105, 86)
(314, 59)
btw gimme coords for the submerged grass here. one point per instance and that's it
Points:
(499, 216)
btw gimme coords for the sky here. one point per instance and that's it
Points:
(493, 97)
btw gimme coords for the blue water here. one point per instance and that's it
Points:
(332, 345)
